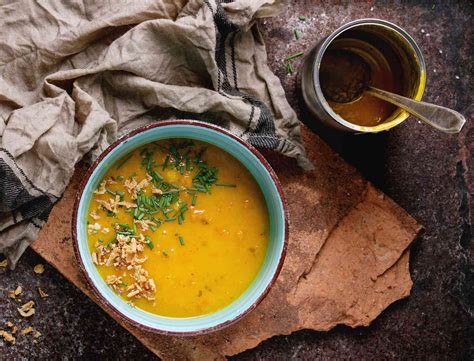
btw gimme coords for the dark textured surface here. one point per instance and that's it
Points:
(426, 172)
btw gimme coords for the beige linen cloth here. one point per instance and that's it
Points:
(76, 75)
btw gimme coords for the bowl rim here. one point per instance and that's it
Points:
(116, 312)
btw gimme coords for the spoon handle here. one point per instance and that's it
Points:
(444, 119)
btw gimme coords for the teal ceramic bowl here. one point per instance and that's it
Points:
(263, 174)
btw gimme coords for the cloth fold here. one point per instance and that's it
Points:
(74, 76)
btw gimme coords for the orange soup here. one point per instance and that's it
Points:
(178, 228)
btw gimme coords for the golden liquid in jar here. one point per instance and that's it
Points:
(386, 74)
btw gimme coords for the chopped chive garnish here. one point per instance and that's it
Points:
(123, 283)
(167, 200)
(289, 68)
(123, 161)
(167, 160)
(149, 242)
(112, 240)
(297, 34)
(101, 240)
(302, 18)
(181, 241)
(294, 56)
(144, 152)
(165, 253)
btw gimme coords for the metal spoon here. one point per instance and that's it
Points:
(347, 80)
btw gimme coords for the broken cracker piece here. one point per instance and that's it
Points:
(15, 292)
(4, 263)
(27, 309)
(39, 268)
(8, 337)
(27, 330)
(28, 313)
(37, 334)
(94, 215)
(18, 290)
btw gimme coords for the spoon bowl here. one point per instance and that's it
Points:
(348, 79)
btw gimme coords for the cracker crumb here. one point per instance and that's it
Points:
(27, 330)
(132, 186)
(94, 215)
(15, 292)
(4, 263)
(110, 205)
(127, 204)
(8, 337)
(156, 190)
(145, 224)
(126, 252)
(12, 327)
(42, 293)
(27, 309)
(101, 189)
(93, 228)
(39, 268)
(37, 334)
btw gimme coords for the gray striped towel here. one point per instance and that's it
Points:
(76, 75)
